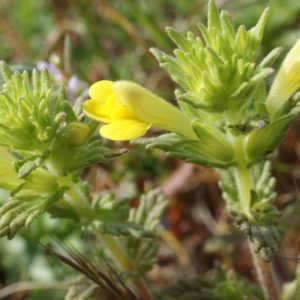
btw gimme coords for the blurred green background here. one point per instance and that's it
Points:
(109, 39)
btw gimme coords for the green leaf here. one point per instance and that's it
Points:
(186, 150)
(263, 141)
(64, 159)
(256, 32)
(227, 26)
(20, 212)
(265, 238)
(270, 58)
(213, 142)
(241, 41)
(226, 285)
(213, 16)
(128, 228)
(179, 39)
(110, 210)
(113, 218)
(143, 250)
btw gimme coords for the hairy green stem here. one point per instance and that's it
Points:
(117, 252)
(243, 177)
(244, 183)
(74, 199)
(266, 276)
(79, 203)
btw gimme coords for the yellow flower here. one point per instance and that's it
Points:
(130, 110)
(286, 82)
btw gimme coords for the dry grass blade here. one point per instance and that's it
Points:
(104, 276)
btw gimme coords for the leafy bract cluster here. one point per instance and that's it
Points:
(223, 93)
(218, 73)
(43, 149)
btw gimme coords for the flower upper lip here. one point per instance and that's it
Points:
(287, 81)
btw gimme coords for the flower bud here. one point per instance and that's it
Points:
(286, 82)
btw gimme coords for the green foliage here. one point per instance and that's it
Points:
(261, 225)
(226, 285)
(187, 150)
(50, 148)
(48, 179)
(147, 215)
(113, 218)
(219, 75)
(30, 116)
(18, 213)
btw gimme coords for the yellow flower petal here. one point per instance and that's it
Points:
(101, 90)
(121, 113)
(98, 110)
(131, 110)
(124, 130)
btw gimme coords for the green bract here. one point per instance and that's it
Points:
(221, 85)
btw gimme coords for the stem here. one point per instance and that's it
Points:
(75, 200)
(121, 257)
(243, 177)
(116, 251)
(79, 203)
(244, 182)
(266, 276)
